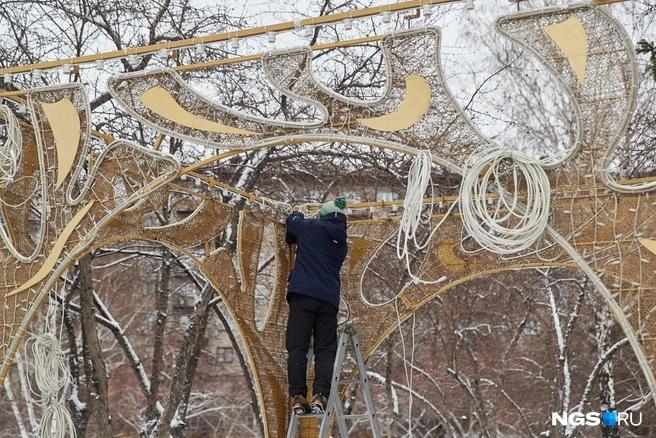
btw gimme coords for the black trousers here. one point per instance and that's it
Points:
(310, 317)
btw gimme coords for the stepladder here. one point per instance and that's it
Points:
(334, 410)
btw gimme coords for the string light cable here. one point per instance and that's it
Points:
(10, 151)
(51, 374)
(498, 218)
(419, 180)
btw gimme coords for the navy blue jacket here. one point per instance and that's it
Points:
(321, 250)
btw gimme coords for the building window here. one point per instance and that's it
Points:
(185, 320)
(224, 354)
(532, 328)
(385, 196)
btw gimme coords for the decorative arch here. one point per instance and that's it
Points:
(596, 224)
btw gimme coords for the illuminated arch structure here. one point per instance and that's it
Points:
(597, 225)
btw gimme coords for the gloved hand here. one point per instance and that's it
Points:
(305, 209)
(277, 211)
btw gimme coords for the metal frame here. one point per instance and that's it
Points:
(250, 32)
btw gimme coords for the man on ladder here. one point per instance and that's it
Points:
(313, 297)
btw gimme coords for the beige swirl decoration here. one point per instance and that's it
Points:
(160, 101)
(65, 125)
(414, 106)
(597, 224)
(571, 38)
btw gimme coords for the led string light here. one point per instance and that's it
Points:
(10, 151)
(512, 224)
(426, 7)
(162, 51)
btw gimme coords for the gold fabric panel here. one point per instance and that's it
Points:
(160, 101)
(572, 39)
(414, 106)
(65, 125)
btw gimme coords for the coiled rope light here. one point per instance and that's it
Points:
(51, 374)
(419, 180)
(10, 150)
(495, 216)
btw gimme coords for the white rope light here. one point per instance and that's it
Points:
(308, 31)
(427, 11)
(51, 374)
(512, 224)
(49, 363)
(56, 422)
(10, 151)
(493, 215)
(419, 180)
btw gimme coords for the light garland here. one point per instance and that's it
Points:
(419, 180)
(504, 223)
(10, 152)
(51, 374)
(499, 220)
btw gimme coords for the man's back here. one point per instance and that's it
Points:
(321, 250)
(313, 296)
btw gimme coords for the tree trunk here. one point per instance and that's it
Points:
(389, 366)
(94, 363)
(162, 305)
(80, 412)
(178, 430)
(604, 323)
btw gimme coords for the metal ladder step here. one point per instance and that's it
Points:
(355, 416)
(310, 416)
(350, 382)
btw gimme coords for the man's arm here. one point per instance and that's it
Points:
(295, 225)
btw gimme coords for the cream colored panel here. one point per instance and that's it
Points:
(65, 124)
(572, 39)
(414, 105)
(649, 244)
(57, 249)
(160, 101)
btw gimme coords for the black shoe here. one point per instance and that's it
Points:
(300, 406)
(318, 404)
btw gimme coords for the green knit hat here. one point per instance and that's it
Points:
(336, 206)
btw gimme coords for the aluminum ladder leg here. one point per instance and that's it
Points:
(334, 404)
